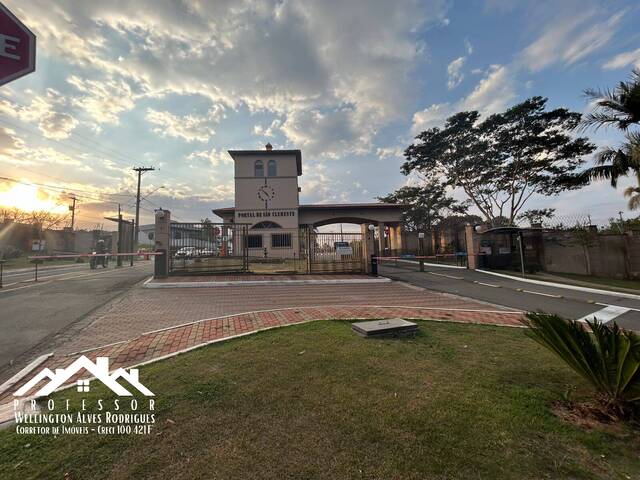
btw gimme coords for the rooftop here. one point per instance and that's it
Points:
(270, 153)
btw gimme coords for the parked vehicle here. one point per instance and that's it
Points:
(187, 252)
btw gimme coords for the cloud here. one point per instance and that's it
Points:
(454, 71)
(494, 93)
(278, 56)
(103, 101)
(189, 127)
(214, 157)
(331, 134)
(48, 111)
(570, 38)
(269, 131)
(623, 60)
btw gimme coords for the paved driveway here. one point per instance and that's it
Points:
(510, 292)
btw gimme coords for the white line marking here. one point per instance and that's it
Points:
(448, 276)
(606, 314)
(441, 265)
(543, 294)
(612, 293)
(46, 281)
(486, 284)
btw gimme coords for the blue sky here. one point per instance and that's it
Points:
(176, 84)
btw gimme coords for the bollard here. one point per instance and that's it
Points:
(422, 264)
(374, 266)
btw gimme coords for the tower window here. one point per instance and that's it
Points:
(272, 168)
(258, 169)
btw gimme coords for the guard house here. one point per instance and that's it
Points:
(267, 200)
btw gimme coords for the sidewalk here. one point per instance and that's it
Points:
(226, 280)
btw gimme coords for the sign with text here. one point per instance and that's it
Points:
(343, 248)
(17, 47)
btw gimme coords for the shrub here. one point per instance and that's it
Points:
(607, 357)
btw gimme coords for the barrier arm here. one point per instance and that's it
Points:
(38, 259)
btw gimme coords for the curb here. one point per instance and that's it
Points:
(611, 293)
(253, 283)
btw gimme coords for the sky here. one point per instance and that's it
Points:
(174, 84)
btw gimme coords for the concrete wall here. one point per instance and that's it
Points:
(609, 255)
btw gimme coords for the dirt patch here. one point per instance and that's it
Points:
(596, 416)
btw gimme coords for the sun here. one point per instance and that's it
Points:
(30, 198)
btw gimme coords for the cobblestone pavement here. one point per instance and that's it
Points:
(170, 341)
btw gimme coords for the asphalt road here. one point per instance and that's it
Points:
(32, 313)
(508, 292)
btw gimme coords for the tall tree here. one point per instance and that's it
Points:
(502, 161)
(428, 205)
(619, 108)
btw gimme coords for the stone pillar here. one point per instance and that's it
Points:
(473, 247)
(400, 234)
(393, 240)
(162, 237)
(381, 242)
(368, 246)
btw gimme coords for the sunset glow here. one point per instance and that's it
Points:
(30, 198)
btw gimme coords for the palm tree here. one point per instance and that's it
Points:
(620, 108)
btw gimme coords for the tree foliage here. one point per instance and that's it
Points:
(428, 204)
(537, 215)
(502, 161)
(619, 108)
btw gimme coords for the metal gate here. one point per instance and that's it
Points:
(204, 248)
(209, 248)
(334, 252)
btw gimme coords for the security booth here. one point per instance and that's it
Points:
(511, 248)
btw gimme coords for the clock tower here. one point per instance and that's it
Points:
(266, 187)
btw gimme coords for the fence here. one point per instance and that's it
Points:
(208, 248)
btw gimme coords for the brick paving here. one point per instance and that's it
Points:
(148, 324)
(159, 344)
(143, 310)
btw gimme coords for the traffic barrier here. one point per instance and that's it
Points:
(38, 259)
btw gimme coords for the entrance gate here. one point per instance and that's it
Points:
(209, 248)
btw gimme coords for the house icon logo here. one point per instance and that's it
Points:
(99, 369)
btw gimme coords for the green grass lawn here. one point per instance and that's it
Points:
(602, 282)
(316, 401)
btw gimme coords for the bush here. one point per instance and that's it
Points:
(608, 358)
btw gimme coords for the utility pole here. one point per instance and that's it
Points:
(140, 171)
(73, 210)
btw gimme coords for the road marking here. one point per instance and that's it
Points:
(46, 281)
(543, 294)
(487, 284)
(606, 314)
(566, 286)
(448, 276)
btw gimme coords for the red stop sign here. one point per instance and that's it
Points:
(17, 47)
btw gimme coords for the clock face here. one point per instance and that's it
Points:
(265, 193)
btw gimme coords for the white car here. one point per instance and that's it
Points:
(187, 252)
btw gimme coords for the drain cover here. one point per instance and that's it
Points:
(394, 327)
